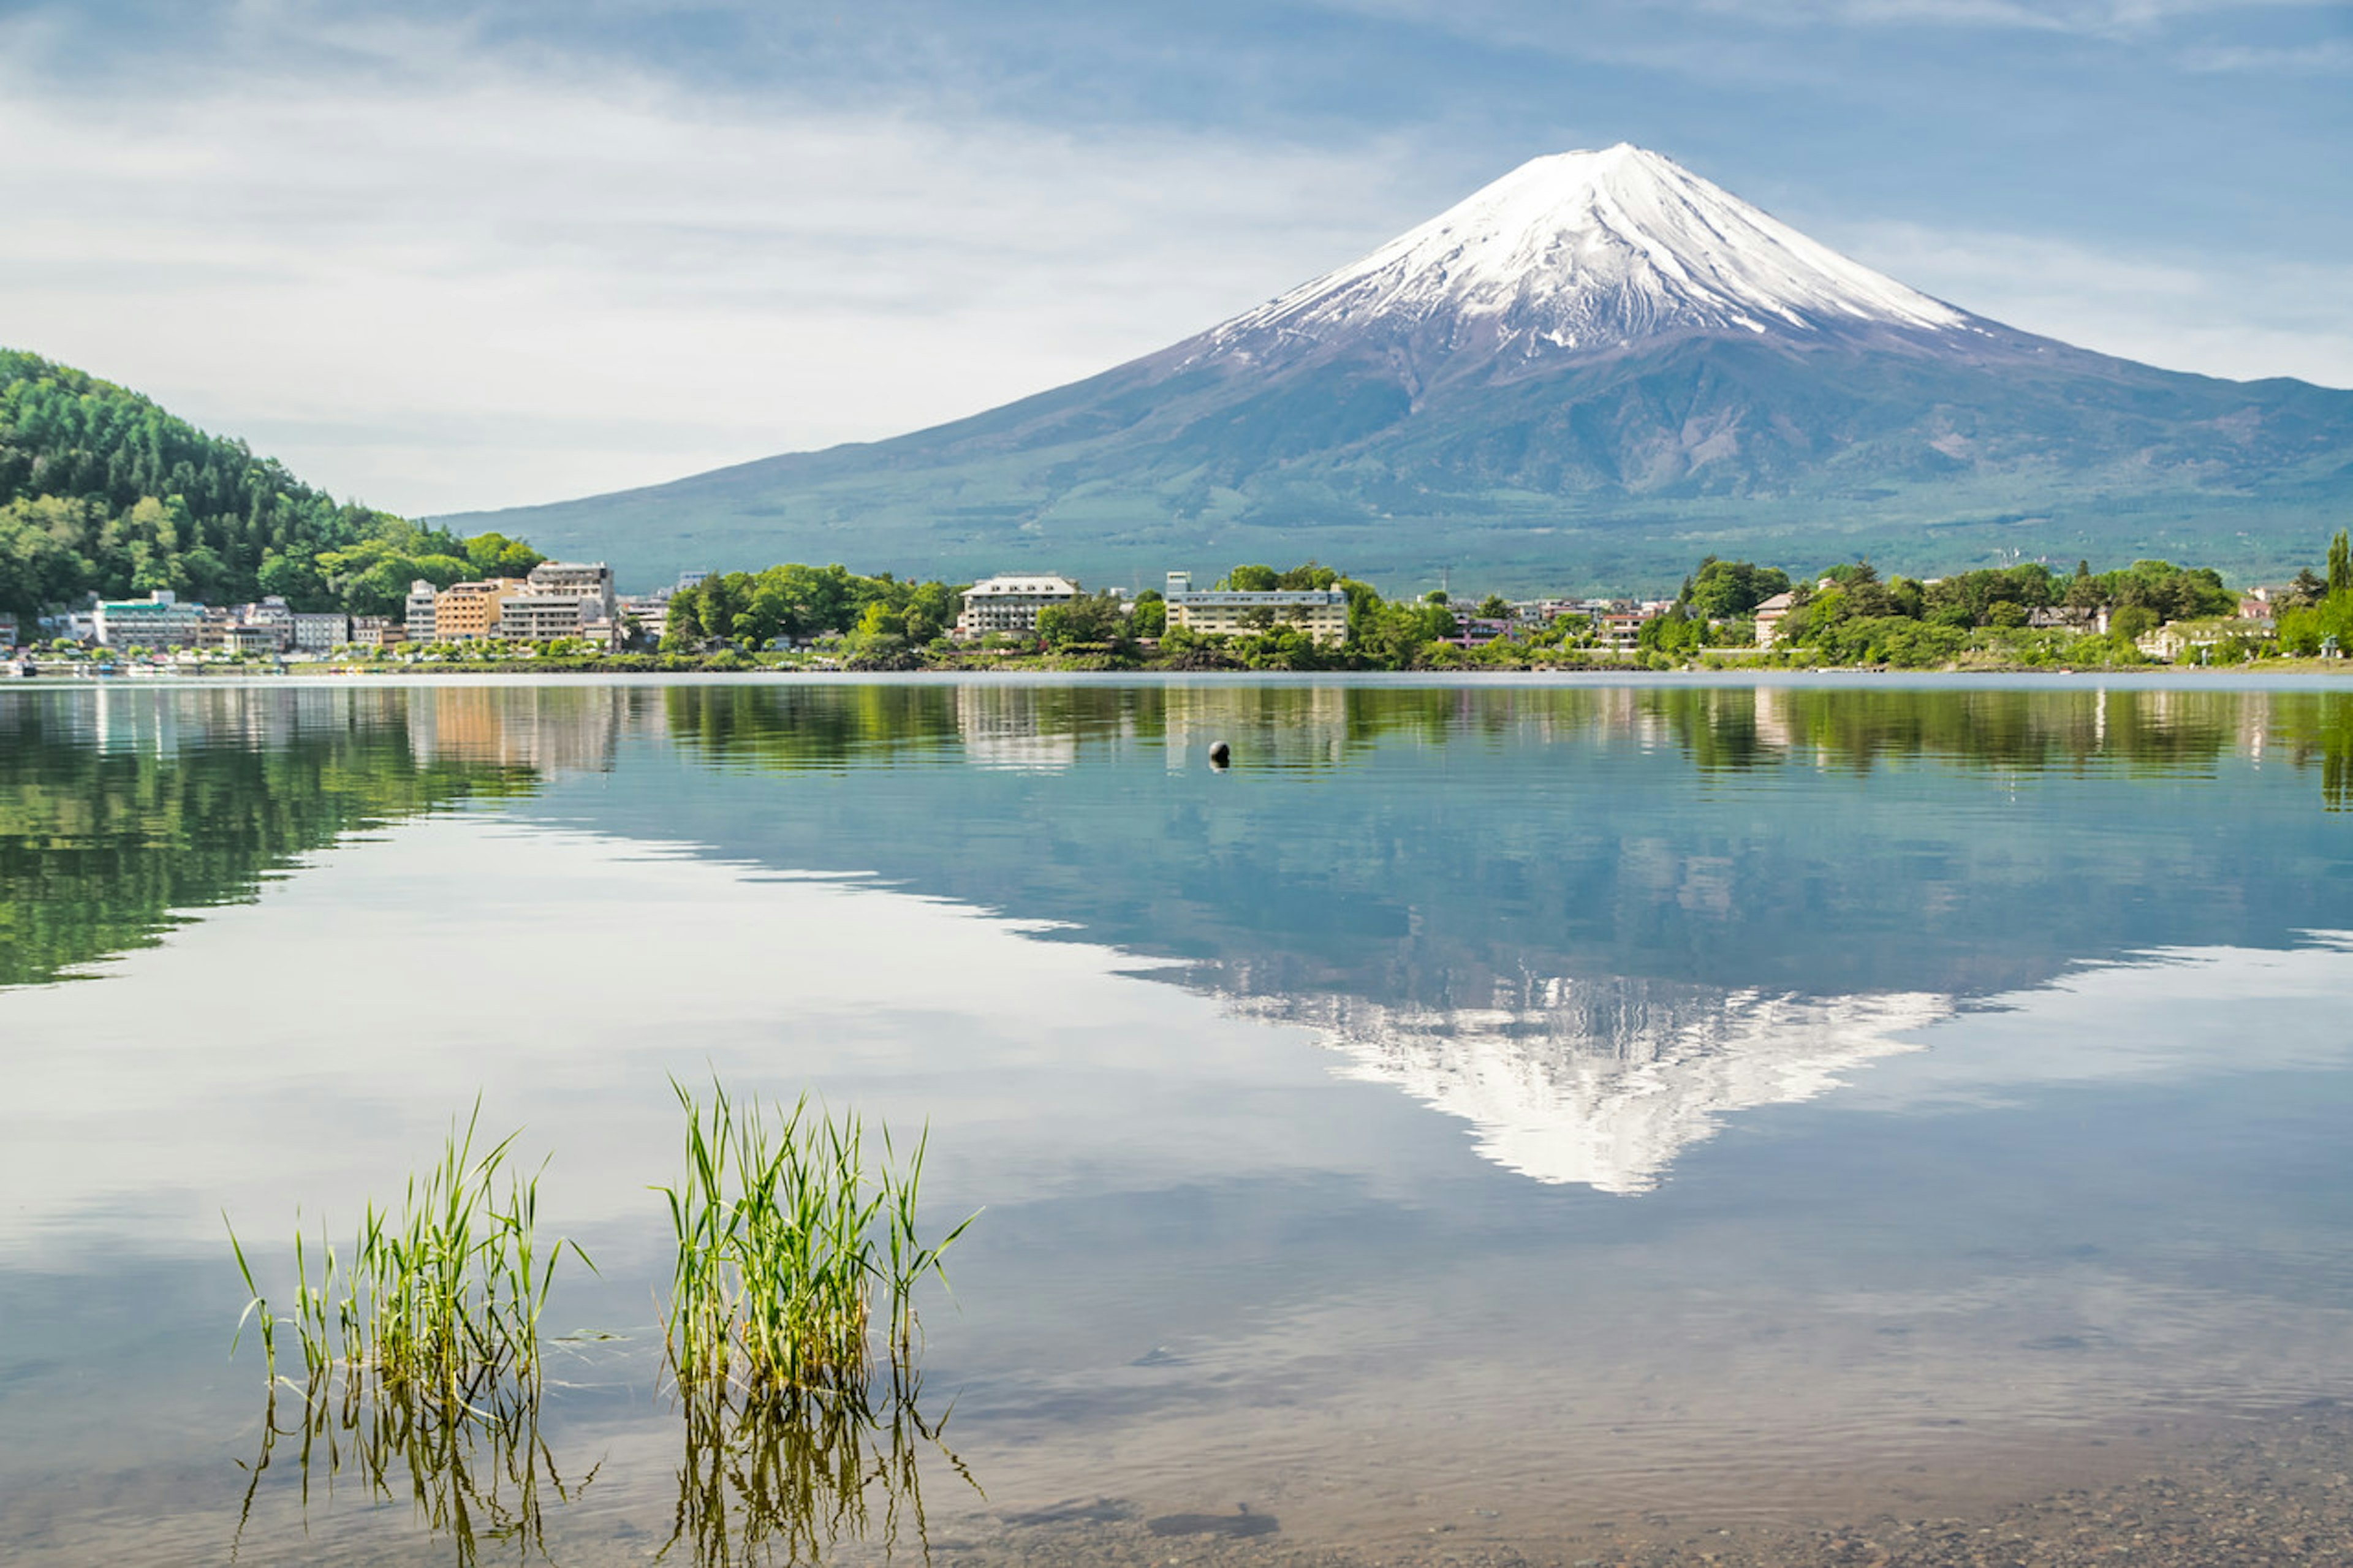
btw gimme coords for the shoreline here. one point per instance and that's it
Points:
(2312, 675)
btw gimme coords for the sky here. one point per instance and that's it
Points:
(444, 256)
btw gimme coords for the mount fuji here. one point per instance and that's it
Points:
(1589, 374)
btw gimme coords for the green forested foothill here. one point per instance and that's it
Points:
(103, 493)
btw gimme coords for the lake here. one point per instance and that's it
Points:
(1604, 1121)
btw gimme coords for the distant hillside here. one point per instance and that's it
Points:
(1590, 374)
(102, 491)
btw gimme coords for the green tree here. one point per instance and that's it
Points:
(1092, 621)
(1150, 618)
(496, 555)
(1726, 590)
(2340, 563)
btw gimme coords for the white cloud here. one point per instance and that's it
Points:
(2323, 57)
(514, 289)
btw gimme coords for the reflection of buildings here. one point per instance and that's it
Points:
(166, 719)
(1604, 1082)
(551, 729)
(1279, 726)
(1026, 729)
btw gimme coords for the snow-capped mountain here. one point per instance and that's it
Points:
(1586, 253)
(1588, 375)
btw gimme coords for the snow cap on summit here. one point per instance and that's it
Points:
(1592, 250)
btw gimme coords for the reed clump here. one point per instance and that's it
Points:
(447, 1291)
(792, 1252)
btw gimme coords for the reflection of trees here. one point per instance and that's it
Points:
(1307, 726)
(471, 1458)
(829, 726)
(1858, 728)
(783, 1476)
(1409, 844)
(2317, 727)
(816, 726)
(115, 813)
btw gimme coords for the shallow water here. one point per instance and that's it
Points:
(1510, 1110)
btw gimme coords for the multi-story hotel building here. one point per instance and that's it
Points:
(469, 611)
(576, 580)
(321, 632)
(423, 596)
(1010, 603)
(560, 599)
(1321, 613)
(159, 620)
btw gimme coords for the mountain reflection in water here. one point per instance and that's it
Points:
(1604, 1082)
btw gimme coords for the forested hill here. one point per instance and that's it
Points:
(104, 492)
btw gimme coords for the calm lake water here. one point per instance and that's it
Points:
(1505, 1114)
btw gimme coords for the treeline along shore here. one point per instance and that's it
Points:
(1728, 614)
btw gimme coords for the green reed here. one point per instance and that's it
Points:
(447, 1291)
(786, 1240)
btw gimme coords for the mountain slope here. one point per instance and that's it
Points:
(104, 492)
(1591, 371)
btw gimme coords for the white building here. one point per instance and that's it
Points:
(575, 580)
(540, 618)
(1321, 613)
(1010, 603)
(560, 598)
(321, 632)
(420, 617)
(159, 620)
(650, 611)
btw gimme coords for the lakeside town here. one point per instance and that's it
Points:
(570, 615)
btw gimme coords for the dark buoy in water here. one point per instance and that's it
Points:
(1218, 756)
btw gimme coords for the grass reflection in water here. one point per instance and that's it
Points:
(470, 1457)
(782, 1475)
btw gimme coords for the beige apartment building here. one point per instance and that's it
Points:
(1321, 613)
(469, 611)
